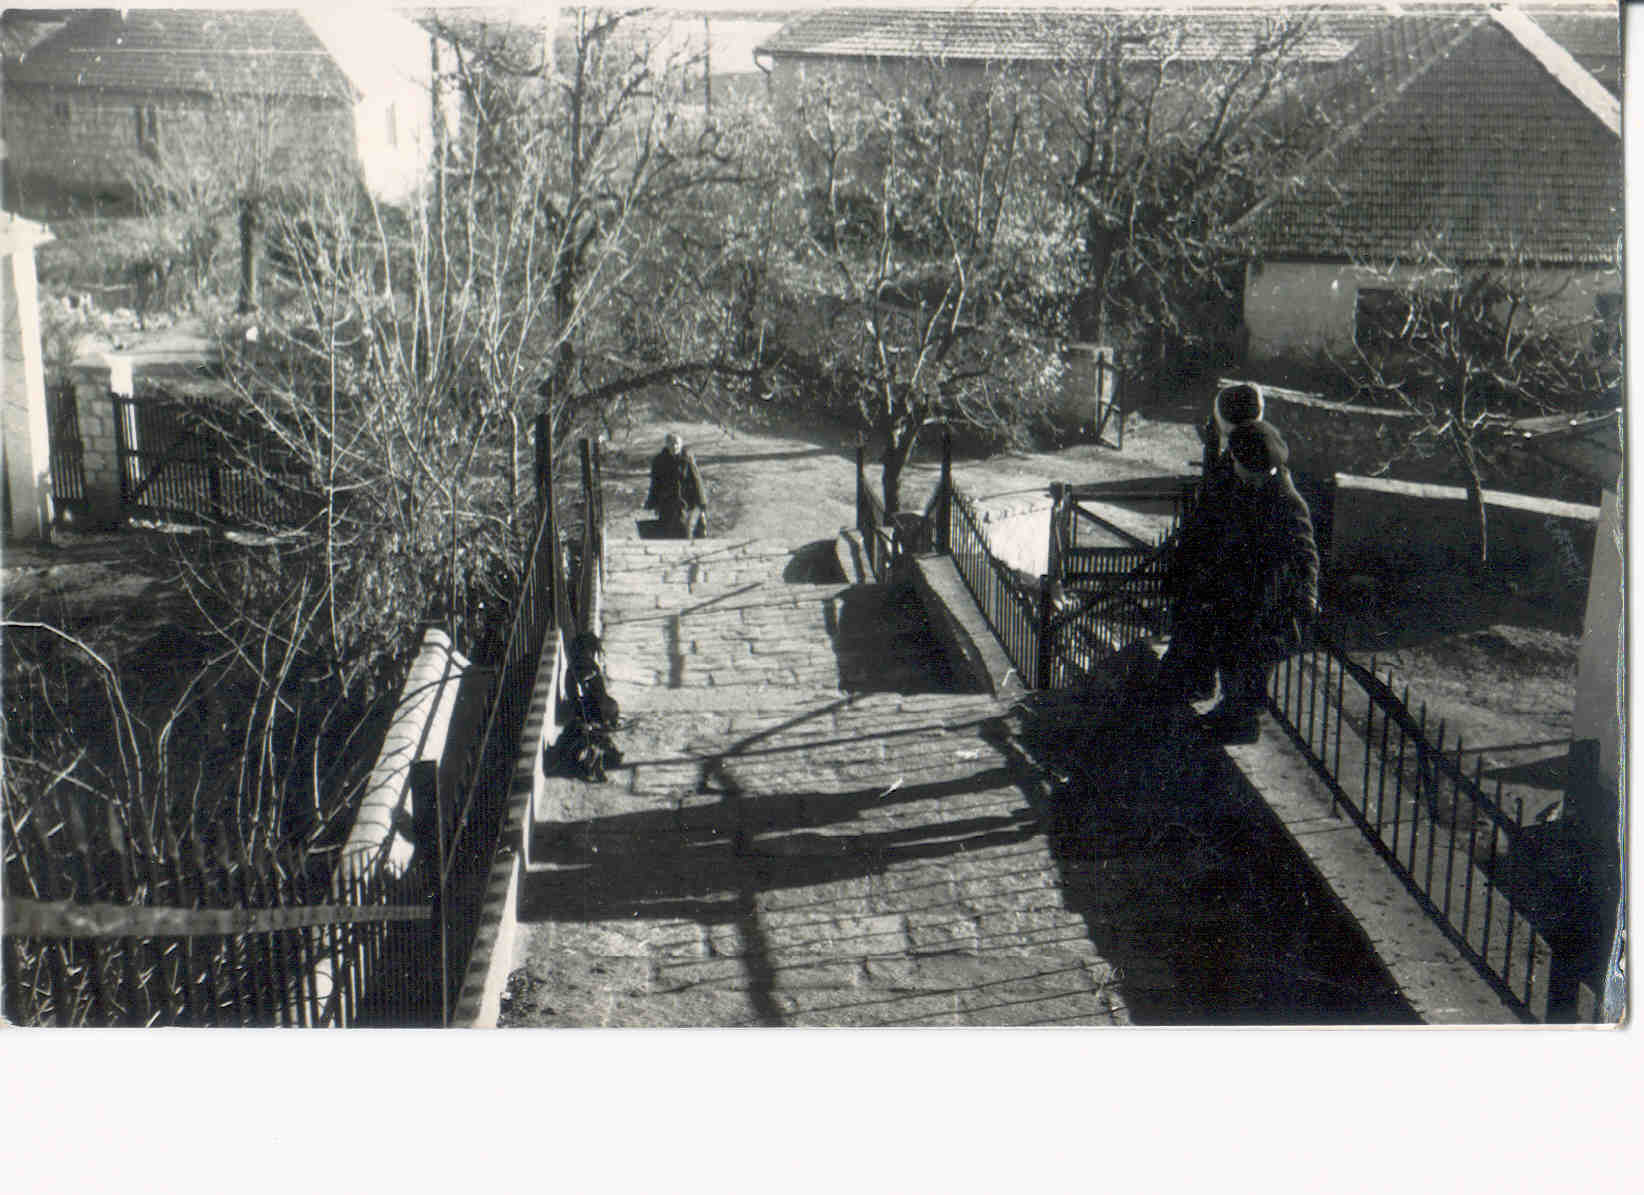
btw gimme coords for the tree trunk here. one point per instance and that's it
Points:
(250, 218)
(1463, 446)
(899, 443)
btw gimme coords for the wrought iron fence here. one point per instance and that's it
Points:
(1015, 614)
(1442, 834)
(195, 458)
(469, 812)
(1114, 598)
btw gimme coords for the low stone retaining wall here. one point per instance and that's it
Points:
(1327, 437)
(429, 705)
(479, 1004)
(1383, 526)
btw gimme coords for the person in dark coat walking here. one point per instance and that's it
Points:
(677, 493)
(1246, 583)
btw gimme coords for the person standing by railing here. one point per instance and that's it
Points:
(1233, 407)
(677, 493)
(1246, 583)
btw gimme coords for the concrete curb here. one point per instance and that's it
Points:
(434, 690)
(853, 563)
(1432, 975)
(479, 1004)
(972, 649)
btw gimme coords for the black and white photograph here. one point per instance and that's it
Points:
(1086, 515)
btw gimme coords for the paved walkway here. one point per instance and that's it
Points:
(812, 827)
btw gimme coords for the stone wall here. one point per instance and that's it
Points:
(95, 378)
(1327, 437)
(85, 140)
(1385, 526)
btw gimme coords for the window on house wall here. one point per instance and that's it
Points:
(60, 112)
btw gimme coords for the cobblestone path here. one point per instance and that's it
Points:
(810, 826)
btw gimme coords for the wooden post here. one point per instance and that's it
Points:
(1118, 404)
(861, 483)
(1046, 610)
(544, 441)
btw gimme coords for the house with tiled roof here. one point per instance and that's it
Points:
(1026, 34)
(968, 41)
(1482, 143)
(84, 103)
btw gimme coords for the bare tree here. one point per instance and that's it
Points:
(1469, 348)
(231, 157)
(1159, 147)
(594, 150)
(923, 253)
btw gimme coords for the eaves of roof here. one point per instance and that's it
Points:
(993, 34)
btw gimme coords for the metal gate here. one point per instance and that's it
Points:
(68, 453)
(187, 459)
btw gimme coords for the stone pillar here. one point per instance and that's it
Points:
(95, 378)
(27, 428)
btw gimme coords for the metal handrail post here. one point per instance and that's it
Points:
(944, 537)
(1046, 606)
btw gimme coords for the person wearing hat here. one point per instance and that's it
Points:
(1233, 407)
(677, 493)
(1247, 584)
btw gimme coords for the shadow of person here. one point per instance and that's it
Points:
(1186, 880)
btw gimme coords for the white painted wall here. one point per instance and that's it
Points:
(22, 379)
(1299, 310)
(1600, 670)
(387, 58)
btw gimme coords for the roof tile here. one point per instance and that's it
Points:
(1479, 153)
(264, 51)
(1033, 35)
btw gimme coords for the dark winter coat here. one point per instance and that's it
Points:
(676, 484)
(1246, 557)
